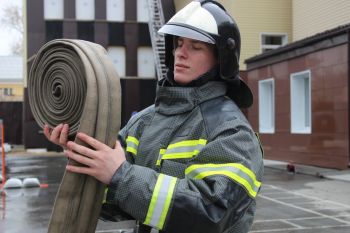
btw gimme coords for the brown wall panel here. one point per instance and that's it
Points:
(101, 33)
(100, 9)
(328, 144)
(35, 26)
(11, 115)
(69, 9)
(70, 30)
(130, 10)
(131, 35)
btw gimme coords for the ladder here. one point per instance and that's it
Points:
(156, 21)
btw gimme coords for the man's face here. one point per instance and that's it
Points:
(192, 59)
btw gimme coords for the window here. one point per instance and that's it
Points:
(8, 91)
(53, 9)
(267, 106)
(145, 62)
(117, 54)
(300, 84)
(142, 11)
(85, 9)
(115, 10)
(272, 41)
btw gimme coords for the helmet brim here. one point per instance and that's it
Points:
(183, 30)
(240, 94)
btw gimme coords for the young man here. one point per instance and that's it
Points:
(190, 162)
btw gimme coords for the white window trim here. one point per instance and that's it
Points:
(294, 130)
(151, 65)
(122, 72)
(140, 18)
(110, 18)
(60, 8)
(84, 17)
(8, 91)
(272, 129)
(284, 41)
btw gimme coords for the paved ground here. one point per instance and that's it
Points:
(297, 203)
(288, 203)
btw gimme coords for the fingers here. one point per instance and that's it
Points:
(47, 131)
(64, 135)
(58, 135)
(117, 145)
(94, 143)
(55, 134)
(80, 158)
(83, 150)
(81, 170)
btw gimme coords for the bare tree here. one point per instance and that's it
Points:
(13, 21)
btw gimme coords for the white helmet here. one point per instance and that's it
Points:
(208, 21)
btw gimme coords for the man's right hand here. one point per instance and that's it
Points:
(57, 135)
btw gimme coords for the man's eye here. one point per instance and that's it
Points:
(196, 47)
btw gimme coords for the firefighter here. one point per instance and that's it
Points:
(191, 162)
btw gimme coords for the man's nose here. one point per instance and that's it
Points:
(181, 51)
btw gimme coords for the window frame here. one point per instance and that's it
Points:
(149, 49)
(271, 129)
(296, 105)
(110, 18)
(123, 49)
(46, 8)
(267, 46)
(8, 91)
(78, 17)
(138, 13)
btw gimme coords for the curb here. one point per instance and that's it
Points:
(332, 174)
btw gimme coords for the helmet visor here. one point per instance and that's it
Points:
(187, 32)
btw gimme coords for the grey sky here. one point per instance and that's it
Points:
(6, 36)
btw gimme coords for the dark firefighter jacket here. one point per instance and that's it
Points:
(194, 164)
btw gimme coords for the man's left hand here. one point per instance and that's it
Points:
(101, 163)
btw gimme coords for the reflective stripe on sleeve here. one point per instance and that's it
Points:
(235, 171)
(184, 149)
(132, 144)
(160, 201)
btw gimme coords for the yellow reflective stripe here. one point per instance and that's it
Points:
(231, 175)
(160, 202)
(188, 143)
(239, 171)
(133, 140)
(161, 153)
(261, 147)
(237, 165)
(105, 196)
(167, 203)
(132, 145)
(181, 155)
(131, 150)
(154, 199)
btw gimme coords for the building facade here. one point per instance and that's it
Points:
(301, 102)
(11, 97)
(264, 24)
(120, 26)
(11, 78)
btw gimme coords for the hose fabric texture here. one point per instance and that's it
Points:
(74, 82)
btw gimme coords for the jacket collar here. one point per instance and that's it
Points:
(172, 100)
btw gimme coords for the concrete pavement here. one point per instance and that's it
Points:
(308, 201)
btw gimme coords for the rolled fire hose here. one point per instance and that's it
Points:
(75, 82)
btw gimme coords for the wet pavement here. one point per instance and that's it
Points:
(296, 203)
(288, 203)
